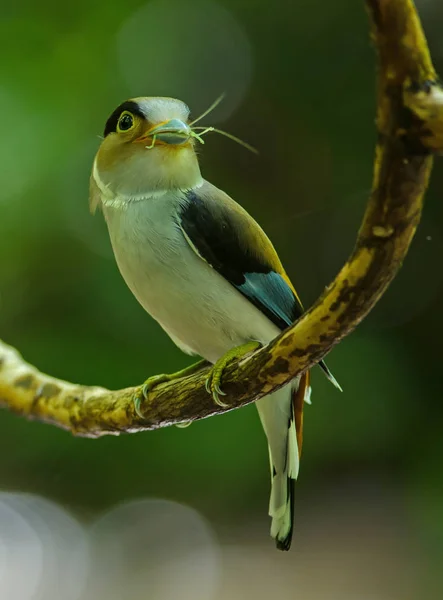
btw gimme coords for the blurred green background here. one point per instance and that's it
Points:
(299, 78)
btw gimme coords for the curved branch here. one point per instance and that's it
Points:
(410, 127)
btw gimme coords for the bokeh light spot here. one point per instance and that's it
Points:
(192, 50)
(154, 549)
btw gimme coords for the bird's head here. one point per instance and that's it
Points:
(148, 148)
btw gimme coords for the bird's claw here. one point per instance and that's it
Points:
(214, 378)
(142, 395)
(212, 386)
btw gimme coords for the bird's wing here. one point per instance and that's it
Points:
(224, 235)
(229, 240)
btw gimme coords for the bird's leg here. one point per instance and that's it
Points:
(214, 378)
(151, 382)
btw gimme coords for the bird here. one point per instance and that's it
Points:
(201, 266)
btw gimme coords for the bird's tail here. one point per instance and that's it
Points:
(281, 415)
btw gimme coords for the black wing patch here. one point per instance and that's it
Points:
(216, 235)
(217, 240)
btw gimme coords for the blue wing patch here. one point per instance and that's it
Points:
(271, 294)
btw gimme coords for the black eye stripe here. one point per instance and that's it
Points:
(130, 106)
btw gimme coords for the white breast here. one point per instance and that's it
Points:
(202, 312)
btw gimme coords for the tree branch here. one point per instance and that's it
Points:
(410, 128)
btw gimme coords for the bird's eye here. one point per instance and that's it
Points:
(125, 122)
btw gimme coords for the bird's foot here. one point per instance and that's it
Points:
(214, 378)
(142, 395)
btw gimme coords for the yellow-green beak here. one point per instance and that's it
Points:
(173, 132)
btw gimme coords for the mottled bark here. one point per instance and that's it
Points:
(410, 130)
